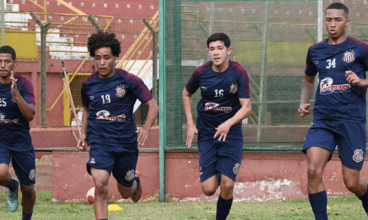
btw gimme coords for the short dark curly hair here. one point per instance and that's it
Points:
(103, 39)
(8, 49)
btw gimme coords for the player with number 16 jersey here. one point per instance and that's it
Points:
(225, 102)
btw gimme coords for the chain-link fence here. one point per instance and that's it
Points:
(270, 39)
(65, 39)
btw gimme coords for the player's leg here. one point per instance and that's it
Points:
(100, 165)
(207, 165)
(25, 168)
(319, 146)
(7, 181)
(101, 179)
(352, 146)
(228, 163)
(124, 171)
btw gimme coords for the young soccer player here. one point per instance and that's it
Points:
(339, 111)
(17, 109)
(225, 103)
(109, 128)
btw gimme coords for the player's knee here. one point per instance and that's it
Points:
(227, 186)
(100, 189)
(351, 185)
(27, 191)
(208, 191)
(314, 173)
(125, 194)
(3, 177)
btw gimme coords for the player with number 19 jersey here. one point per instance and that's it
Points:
(220, 93)
(339, 106)
(110, 103)
(111, 129)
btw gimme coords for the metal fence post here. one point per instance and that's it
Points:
(154, 59)
(94, 23)
(44, 29)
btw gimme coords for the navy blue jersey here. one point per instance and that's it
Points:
(335, 98)
(14, 127)
(220, 93)
(110, 103)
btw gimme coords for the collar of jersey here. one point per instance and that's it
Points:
(229, 67)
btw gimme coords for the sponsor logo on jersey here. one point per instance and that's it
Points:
(91, 97)
(349, 56)
(203, 88)
(236, 168)
(92, 161)
(358, 155)
(326, 87)
(216, 107)
(129, 175)
(234, 88)
(105, 115)
(32, 174)
(120, 91)
(7, 121)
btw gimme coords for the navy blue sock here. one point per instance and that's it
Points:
(364, 200)
(26, 216)
(223, 208)
(219, 179)
(137, 180)
(13, 185)
(318, 202)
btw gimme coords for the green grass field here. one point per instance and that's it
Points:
(347, 207)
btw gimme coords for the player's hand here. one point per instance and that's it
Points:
(222, 131)
(303, 110)
(191, 131)
(353, 79)
(14, 89)
(82, 143)
(142, 135)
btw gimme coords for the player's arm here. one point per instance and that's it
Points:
(307, 89)
(82, 143)
(244, 111)
(191, 128)
(150, 119)
(27, 109)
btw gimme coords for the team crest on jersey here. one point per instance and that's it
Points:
(358, 156)
(32, 174)
(129, 175)
(120, 91)
(326, 87)
(216, 107)
(349, 56)
(236, 168)
(234, 88)
(105, 115)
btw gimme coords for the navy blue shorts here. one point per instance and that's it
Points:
(349, 138)
(23, 162)
(219, 156)
(121, 161)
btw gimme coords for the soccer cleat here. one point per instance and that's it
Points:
(138, 194)
(13, 199)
